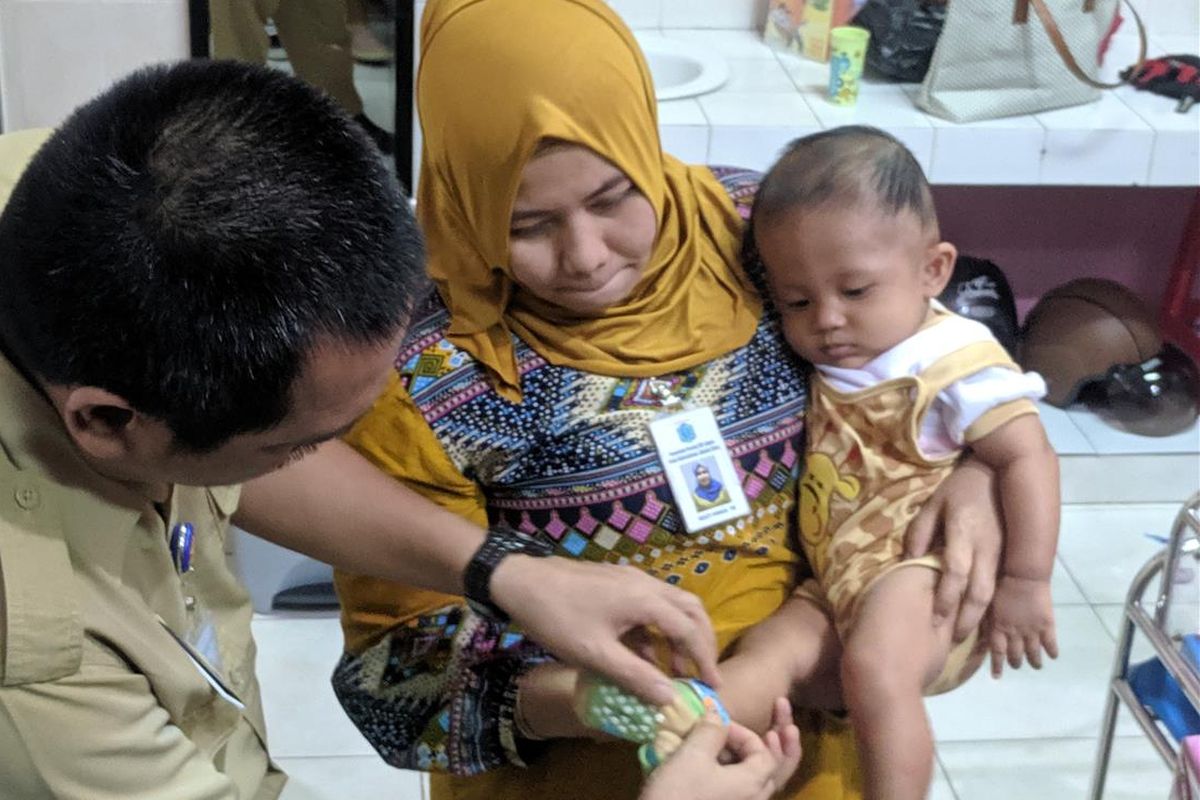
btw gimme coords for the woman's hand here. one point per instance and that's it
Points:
(964, 514)
(698, 769)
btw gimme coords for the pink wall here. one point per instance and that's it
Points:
(1043, 236)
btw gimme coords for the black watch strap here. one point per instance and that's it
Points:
(501, 542)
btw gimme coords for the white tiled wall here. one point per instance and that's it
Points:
(55, 54)
(1167, 17)
(1136, 137)
(712, 13)
(1162, 17)
(640, 13)
(691, 13)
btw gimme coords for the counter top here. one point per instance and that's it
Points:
(1128, 138)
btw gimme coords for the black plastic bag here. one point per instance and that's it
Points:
(979, 290)
(1177, 77)
(903, 35)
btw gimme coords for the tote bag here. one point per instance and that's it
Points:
(999, 58)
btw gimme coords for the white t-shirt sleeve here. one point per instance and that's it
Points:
(959, 405)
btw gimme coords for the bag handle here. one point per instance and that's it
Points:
(1021, 16)
(1021, 10)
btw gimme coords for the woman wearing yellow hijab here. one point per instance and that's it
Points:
(587, 284)
(571, 72)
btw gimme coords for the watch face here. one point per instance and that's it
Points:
(539, 547)
(514, 541)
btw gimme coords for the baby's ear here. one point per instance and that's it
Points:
(939, 266)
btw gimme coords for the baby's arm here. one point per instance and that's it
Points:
(794, 653)
(1022, 617)
(760, 766)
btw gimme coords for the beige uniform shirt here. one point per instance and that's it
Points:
(102, 696)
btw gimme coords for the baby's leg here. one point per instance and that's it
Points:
(891, 654)
(794, 653)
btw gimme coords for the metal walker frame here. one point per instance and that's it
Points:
(1185, 539)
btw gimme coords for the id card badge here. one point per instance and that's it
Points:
(699, 470)
(210, 674)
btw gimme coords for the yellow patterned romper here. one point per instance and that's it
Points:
(881, 444)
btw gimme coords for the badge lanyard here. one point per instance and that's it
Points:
(699, 469)
(210, 673)
(202, 636)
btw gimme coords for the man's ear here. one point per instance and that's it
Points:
(104, 425)
(938, 267)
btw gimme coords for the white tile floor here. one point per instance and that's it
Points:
(1030, 735)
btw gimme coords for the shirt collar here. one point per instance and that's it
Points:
(34, 438)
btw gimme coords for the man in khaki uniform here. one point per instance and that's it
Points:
(104, 686)
(128, 667)
(205, 272)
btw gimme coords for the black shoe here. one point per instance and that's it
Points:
(385, 141)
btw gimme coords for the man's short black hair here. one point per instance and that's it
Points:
(186, 238)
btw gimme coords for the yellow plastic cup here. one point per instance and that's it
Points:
(847, 53)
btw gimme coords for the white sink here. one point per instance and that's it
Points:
(681, 69)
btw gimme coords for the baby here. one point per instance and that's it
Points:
(846, 229)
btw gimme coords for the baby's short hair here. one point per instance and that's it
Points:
(850, 166)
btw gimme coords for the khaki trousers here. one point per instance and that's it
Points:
(312, 31)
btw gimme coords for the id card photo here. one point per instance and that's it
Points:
(699, 469)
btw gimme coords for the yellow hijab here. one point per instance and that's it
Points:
(497, 77)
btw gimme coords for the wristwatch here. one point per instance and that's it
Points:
(501, 542)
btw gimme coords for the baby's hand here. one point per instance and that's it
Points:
(1022, 623)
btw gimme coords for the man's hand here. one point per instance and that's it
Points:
(581, 612)
(965, 515)
(578, 610)
(699, 769)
